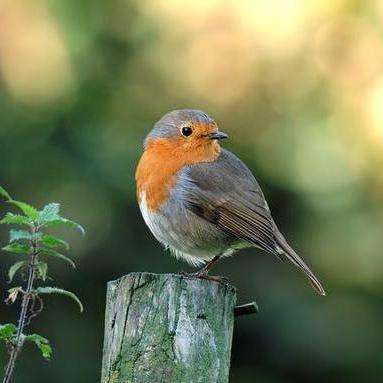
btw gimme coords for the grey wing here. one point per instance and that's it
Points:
(226, 193)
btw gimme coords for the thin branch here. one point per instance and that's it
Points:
(19, 339)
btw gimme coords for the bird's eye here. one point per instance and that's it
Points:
(186, 131)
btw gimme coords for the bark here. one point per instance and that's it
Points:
(167, 328)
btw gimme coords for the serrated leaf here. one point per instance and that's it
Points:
(66, 222)
(4, 193)
(42, 343)
(28, 210)
(18, 248)
(53, 242)
(15, 268)
(49, 213)
(17, 235)
(16, 219)
(42, 270)
(7, 331)
(54, 253)
(57, 290)
(23, 235)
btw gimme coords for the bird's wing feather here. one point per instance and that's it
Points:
(226, 193)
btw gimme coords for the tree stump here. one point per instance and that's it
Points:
(167, 328)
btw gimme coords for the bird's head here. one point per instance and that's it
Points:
(186, 131)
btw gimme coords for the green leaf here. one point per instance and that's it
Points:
(18, 248)
(15, 268)
(54, 253)
(15, 219)
(57, 290)
(49, 213)
(28, 210)
(53, 242)
(17, 235)
(4, 193)
(42, 270)
(42, 343)
(23, 235)
(7, 331)
(66, 222)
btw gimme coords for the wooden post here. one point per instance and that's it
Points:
(167, 328)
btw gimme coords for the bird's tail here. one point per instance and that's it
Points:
(292, 256)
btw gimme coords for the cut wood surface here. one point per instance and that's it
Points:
(167, 328)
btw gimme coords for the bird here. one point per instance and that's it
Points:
(200, 200)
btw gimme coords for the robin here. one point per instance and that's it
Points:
(200, 200)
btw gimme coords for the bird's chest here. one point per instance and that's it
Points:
(155, 178)
(159, 167)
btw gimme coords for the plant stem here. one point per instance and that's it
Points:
(19, 341)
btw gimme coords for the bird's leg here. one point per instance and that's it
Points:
(204, 272)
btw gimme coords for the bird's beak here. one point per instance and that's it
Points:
(217, 136)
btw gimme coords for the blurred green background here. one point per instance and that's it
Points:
(297, 84)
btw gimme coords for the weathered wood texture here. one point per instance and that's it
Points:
(167, 328)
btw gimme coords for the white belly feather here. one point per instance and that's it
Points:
(162, 232)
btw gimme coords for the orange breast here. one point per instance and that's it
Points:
(157, 170)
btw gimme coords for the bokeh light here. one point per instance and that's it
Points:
(34, 58)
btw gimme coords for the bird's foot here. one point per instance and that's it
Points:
(204, 275)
